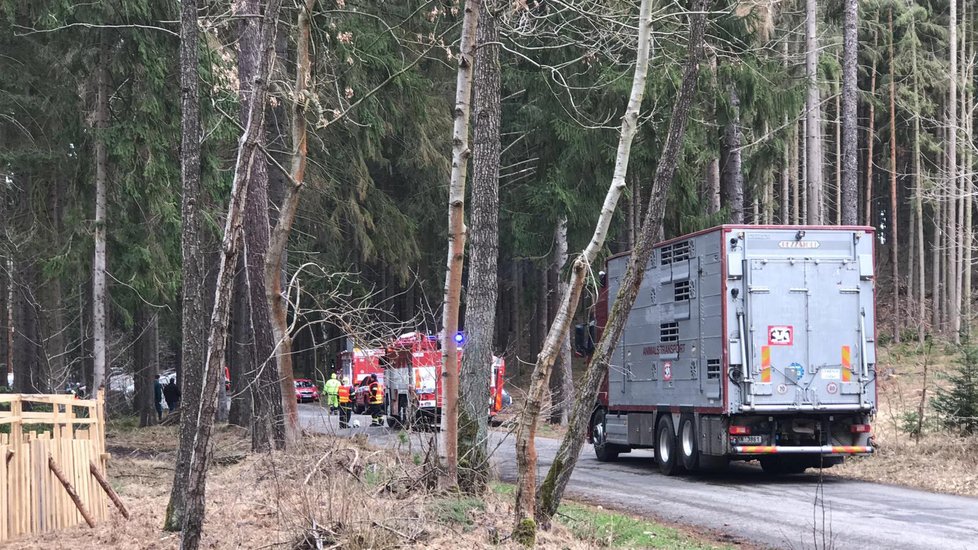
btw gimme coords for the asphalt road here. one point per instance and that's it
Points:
(743, 503)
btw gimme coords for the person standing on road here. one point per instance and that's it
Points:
(330, 388)
(343, 397)
(158, 397)
(376, 397)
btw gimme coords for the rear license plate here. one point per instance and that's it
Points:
(749, 439)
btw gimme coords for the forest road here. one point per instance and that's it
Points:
(742, 503)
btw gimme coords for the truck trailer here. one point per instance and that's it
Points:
(744, 343)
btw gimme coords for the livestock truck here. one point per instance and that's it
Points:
(413, 389)
(744, 343)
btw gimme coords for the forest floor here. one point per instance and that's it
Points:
(331, 492)
(938, 461)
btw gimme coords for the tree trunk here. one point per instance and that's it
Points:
(850, 120)
(892, 221)
(796, 192)
(268, 429)
(566, 356)
(733, 176)
(101, 181)
(711, 177)
(968, 189)
(871, 137)
(240, 356)
(526, 456)
(456, 236)
(275, 256)
(230, 248)
(786, 176)
(480, 308)
(838, 153)
(813, 137)
(193, 314)
(918, 200)
(952, 178)
(146, 362)
(560, 471)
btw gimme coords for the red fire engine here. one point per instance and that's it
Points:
(413, 381)
(355, 366)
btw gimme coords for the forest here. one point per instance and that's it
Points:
(261, 184)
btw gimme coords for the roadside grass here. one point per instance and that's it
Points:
(602, 528)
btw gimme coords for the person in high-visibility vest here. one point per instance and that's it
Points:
(376, 398)
(330, 388)
(346, 405)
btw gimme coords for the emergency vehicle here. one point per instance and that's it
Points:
(744, 343)
(357, 364)
(413, 392)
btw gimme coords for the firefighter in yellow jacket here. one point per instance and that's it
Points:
(330, 388)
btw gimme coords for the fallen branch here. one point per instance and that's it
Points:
(71, 492)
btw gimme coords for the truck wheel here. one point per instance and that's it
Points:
(689, 443)
(666, 451)
(604, 451)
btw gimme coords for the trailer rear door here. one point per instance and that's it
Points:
(804, 325)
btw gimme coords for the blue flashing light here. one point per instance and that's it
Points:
(460, 338)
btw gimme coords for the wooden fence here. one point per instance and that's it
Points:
(52, 463)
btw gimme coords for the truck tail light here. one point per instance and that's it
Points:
(739, 430)
(860, 428)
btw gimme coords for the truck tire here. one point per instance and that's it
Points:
(666, 448)
(689, 448)
(604, 451)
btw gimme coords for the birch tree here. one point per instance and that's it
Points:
(99, 297)
(526, 456)
(813, 118)
(456, 235)
(552, 490)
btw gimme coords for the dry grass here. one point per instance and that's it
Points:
(938, 461)
(327, 492)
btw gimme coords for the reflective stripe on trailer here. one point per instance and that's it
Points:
(820, 449)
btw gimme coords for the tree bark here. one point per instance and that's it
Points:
(813, 110)
(526, 456)
(871, 137)
(733, 175)
(566, 357)
(230, 248)
(850, 121)
(240, 356)
(193, 312)
(268, 427)
(275, 256)
(918, 201)
(892, 221)
(456, 236)
(101, 182)
(480, 309)
(146, 359)
(560, 471)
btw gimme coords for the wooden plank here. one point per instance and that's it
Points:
(71, 492)
(4, 493)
